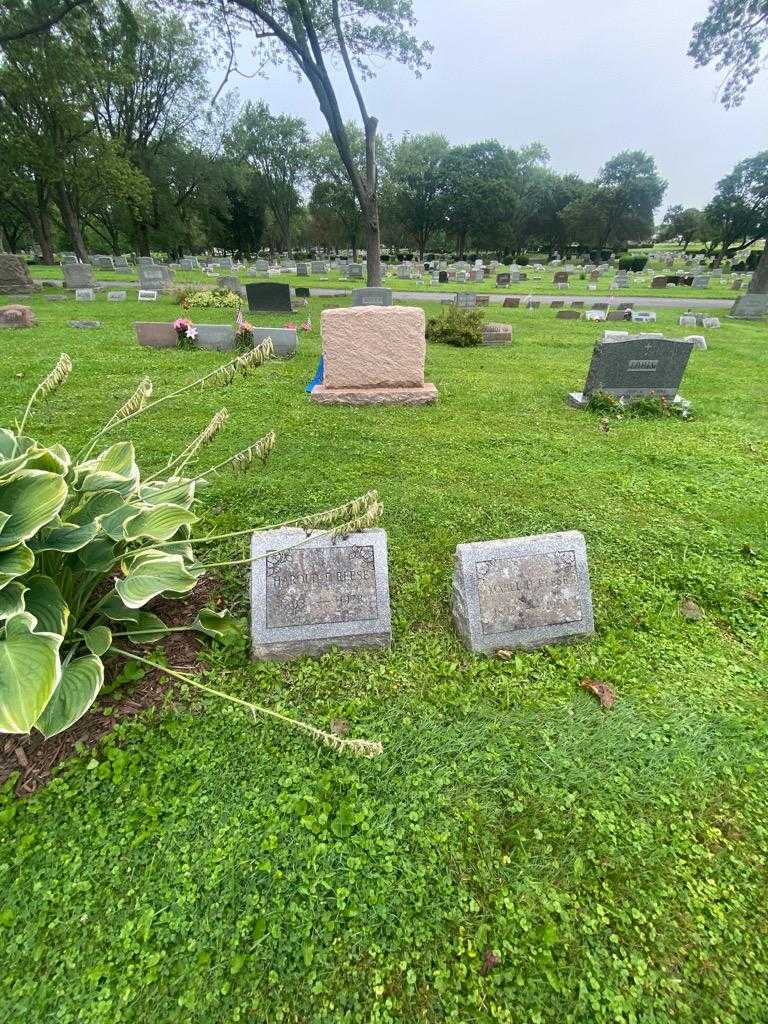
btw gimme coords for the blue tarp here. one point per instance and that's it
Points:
(317, 379)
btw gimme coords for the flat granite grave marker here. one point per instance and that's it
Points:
(567, 314)
(147, 295)
(638, 366)
(322, 594)
(466, 299)
(522, 592)
(117, 296)
(269, 297)
(503, 280)
(84, 295)
(372, 297)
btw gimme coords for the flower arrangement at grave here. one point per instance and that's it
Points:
(89, 540)
(243, 332)
(186, 333)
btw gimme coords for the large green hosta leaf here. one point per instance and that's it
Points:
(114, 469)
(29, 672)
(30, 501)
(64, 537)
(11, 600)
(179, 492)
(158, 523)
(154, 572)
(78, 687)
(15, 562)
(44, 600)
(98, 556)
(141, 627)
(95, 505)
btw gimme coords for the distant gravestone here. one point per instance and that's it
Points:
(155, 278)
(84, 295)
(355, 271)
(567, 314)
(503, 280)
(284, 340)
(325, 593)
(687, 320)
(17, 316)
(525, 592)
(318, 267)
(302, 269)
(557, 303)
(637, 366)
(595, 314)
(147, 295)
(14, 275)
(700, 281)
(497, 334)
(84, 324)
(642, 316)
(372, 297)
(443, 276)
(511, 303)
(117, 296)
(659, 282)
(466, 299)
(561, 277)
(269, 297)
(617, 314)
(78, 275)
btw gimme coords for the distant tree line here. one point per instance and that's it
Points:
(110, 141)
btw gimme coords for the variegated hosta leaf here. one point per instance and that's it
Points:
(65, 537)
(78, 687)
(112, 524)
(53, 460)
(142, 627)
(152, 573)
(161, 522)
(94, 506)
(98, 556)
(98, 640)
(114, 469)
(43, 600)
(216, 624)
(178, 492)
(30, 501)
(11, 600)
(7, 443)
(15, 562)
(29, 672)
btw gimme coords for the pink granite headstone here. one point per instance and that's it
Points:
(374, 355)
(17, 316)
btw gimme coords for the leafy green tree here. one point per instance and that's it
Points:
(277, 146)
(733, 35)
(738, 212)
(414, 189)
(683, 225)
(333, 205)
(312, 34)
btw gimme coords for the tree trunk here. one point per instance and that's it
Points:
(754, 304)
(71, 222)
(142, 238)
(370, 209)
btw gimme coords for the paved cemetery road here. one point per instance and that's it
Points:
(651, 301)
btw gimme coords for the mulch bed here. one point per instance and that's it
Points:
(36, 758)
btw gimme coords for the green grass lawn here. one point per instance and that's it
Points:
(537, 284)
(203, 867)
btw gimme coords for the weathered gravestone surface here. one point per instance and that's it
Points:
(637, 366)
(269, 297)
(355, 270)
(557, 303)
(567, 314)
(511, 303)
(561, 277)
(17, 316)
(466, 299)
(147, 295)
(155, 278)
(84, 294)
(78, 275)
(14, 275)
(372, 297)
(284, 340)
(701, 281)
(230, 283)
(302, 269)
(617, 314)
(503, 280)
(84, 324)
(523, 592)
(325, 593)
(215, 337)
(497, 334)
(659, 282)
(117, 296)
(374, 355)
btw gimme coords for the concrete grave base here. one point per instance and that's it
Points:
(422, 395)
(578, 400)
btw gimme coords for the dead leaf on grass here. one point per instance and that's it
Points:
(602, 691)
(490, 961)
(690, 610)
(339, 727)
(505, 655)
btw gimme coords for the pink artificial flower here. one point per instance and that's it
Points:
(290, 327)
(181, 324)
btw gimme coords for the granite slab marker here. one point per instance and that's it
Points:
(635, 366)
(324, 593)
(523, 592)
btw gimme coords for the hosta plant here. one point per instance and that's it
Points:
(87, 542)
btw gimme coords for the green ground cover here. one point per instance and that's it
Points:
(537, 284)
(199, 866)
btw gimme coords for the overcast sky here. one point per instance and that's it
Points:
(587, 78)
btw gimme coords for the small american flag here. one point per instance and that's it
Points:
(307, 325)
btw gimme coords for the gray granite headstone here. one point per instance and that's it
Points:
(638, 366)
(155, 277)
(78, 275)
(269, 297)
(522, 592)
(147, 295)
(322, 594)
(117, 296)
(84, 324)
(466, 299)
(371, 296)
(284, 340)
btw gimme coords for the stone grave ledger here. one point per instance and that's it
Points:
(374, 355)
(270, 298)
(321, 594)
(637, 366)
(524, 592)
(372, 297)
